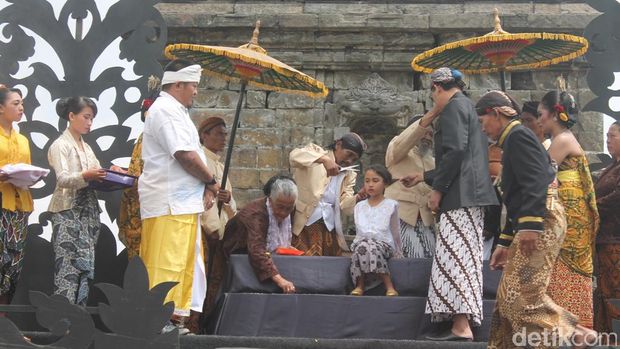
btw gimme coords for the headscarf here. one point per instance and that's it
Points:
(210, 123)
(354, 142)
(188, 74)
(500, 100)
(446, 75)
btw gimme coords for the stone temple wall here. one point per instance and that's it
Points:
(362, 51)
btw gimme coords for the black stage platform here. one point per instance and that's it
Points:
(322, 307)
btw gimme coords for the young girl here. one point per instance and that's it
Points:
(377, 232)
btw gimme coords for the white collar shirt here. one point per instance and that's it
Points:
(165, 188)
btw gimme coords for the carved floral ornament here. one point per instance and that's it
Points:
(374, 105)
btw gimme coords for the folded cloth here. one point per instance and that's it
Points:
(288, 251)
(24, 175)
(113, 181)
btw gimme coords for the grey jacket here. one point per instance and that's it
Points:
(461, 158)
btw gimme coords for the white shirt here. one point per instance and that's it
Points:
(379, 222)
(326, 206)
(164, 186)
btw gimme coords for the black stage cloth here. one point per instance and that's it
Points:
(327, 316)
(330, 275)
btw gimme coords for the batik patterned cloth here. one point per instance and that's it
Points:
(129, 222)
(571, 282)
(456, 275)
(370, 256)
(418, 241)
(316, 240)
(522, 301)
(608, 287)
(74, 235)
(13, 231)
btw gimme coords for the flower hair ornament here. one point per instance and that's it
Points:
(561, 112)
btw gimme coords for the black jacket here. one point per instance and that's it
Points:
(461, 158)
(526, 175)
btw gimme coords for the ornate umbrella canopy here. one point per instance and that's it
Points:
(248, 63)
(502, 51)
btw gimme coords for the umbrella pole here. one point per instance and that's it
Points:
(231, 140)
(502, 80)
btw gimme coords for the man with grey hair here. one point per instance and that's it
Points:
(263, 226)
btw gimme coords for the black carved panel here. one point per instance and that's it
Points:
(603, 34)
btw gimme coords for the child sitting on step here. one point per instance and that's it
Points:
(377, 233)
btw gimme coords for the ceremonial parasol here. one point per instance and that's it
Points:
(247, 64)
(500, 51)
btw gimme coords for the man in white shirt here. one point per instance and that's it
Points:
(174, 188)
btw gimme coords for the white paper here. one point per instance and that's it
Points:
(24, 175)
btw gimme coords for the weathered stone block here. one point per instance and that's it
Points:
(210, 82)
(444, 38)
(338, 38)
(206, 99)
(301, 135)
(211, 7)
(486, 8)
(292, 58)
(410, 22)
(288, 101)
(334, 20)
(244, 196)
(568, 21)
(345, 8)
(576, 8)
(270, 158)
(244, 157)
(294, 21)
(262, 137)
(465, 21)
(263, 8)
(426, 9)
(546, 8)
(244, 178)
(348, 79)
(255, 99)
(298, 117)
(228, 99)
(257, 118)
(520, 96)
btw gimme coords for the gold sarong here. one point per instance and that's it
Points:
(168, 249)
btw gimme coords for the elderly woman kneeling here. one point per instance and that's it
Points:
(263, 226)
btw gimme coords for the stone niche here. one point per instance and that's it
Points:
(376, 110)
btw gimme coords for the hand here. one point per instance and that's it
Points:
(224, 196)
(3, 176)
(330, 165)
(429, 117)
(361, 195)
(434, 200)
(118, 169)
(94, 174)
(285, 285)
(412, 179)
(213, 188)
(527, 241)
(209, 199)
(499, 258)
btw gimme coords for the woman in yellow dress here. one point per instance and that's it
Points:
(571, 281)
(16, 202)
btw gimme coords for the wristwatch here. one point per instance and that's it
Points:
(213, 181)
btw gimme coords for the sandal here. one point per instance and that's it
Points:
(391, 293)
(357, 292)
